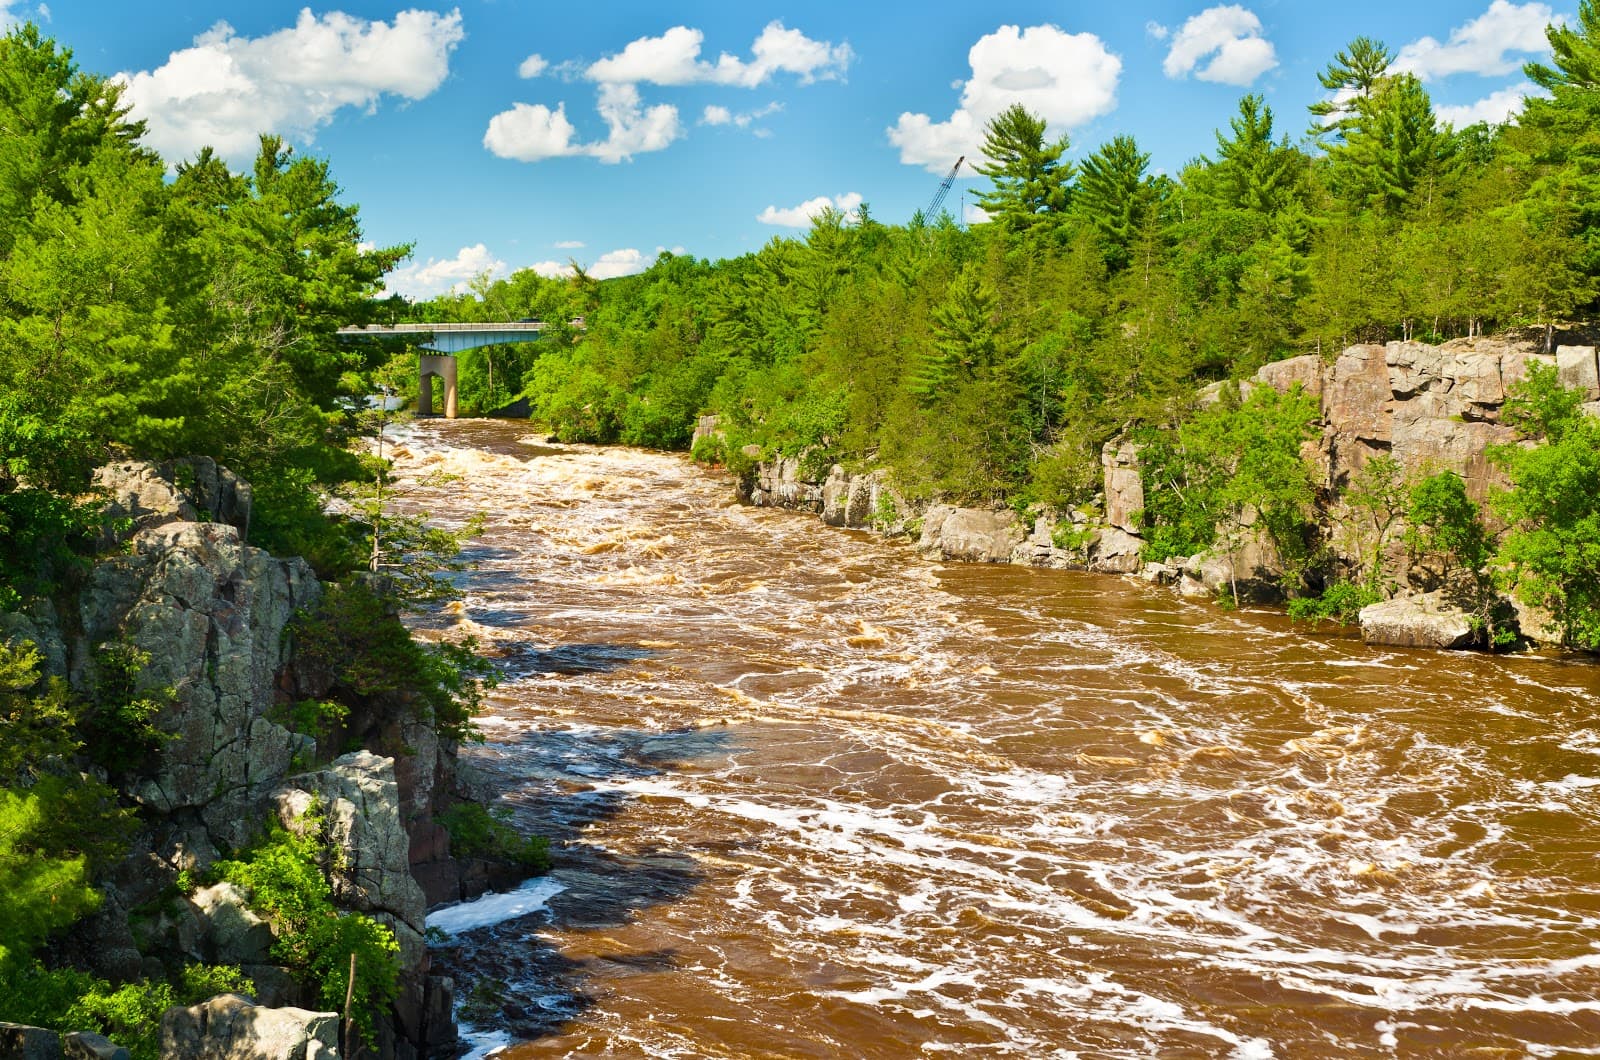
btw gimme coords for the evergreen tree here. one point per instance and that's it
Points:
(1351, 77)
(1031, 182)
(1394, 151)
(1251, 172)
(1116, 196)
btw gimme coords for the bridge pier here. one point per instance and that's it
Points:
(430, 365)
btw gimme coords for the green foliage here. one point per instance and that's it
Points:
(1030, 180)
(1353, 72)
(1443, 525)
(287, 885)
(1115, 196)
(478, 832)
(1446, 536)
(1338, 602)
(36, 724)
(318, 718)
(46, 887)
(1377, 498)
(1552, 544)
(1231, 468)
(1069, 536)
(121, 728)
(64, 999)
(357, 636)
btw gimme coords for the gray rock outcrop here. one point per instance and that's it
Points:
(357, 798)
(230, 1027)
(140, 494)
(209, 611)
(20, 1042)
(237, 934)
(971, 535)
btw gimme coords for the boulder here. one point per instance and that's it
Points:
(1115, 551)
(140, 495)
(236, 933)
(1283, 375)
(1578, 370)
(84, 1045)
(19, 1042)
(1424, 621)
(1534, 623)
(230, 1027)
(972, 535)
(1251, 566)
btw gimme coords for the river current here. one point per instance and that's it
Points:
(813, 795)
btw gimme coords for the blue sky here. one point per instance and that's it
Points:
(498, 135)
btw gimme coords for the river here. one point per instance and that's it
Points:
(813, 795)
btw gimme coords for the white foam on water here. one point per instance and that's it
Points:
(495, 908)
(482, 1044)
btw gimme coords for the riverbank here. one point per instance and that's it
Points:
(1428, 408)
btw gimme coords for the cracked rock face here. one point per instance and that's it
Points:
(210, 612)
(358, 798)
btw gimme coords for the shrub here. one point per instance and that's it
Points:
(478, 832)
(284, 878)
(1340, 602)
(356, 635)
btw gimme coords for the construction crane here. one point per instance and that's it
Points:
(932, 212)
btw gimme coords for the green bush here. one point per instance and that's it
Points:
(1340, 602)
(120, 727)
(476, 832)
(284, 878)
(356, 635)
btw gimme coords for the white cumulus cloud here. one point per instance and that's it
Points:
(1495, 108)
(570, 244)
(447, 275)
(715, 115)
(532, 66)
(1230, 37)
(553, 270)
(1065, 78)
(226, 90)
(1482, 46)
(674, 59)
(614, 263)
(529, 132)
(802, 215)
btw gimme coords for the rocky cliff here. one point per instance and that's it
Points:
(207, 619)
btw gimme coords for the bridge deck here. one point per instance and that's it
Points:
(454, 337)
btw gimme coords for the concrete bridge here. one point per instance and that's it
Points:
(447, 340)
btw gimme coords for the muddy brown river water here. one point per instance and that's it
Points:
(813, 795)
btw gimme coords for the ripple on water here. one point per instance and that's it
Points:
(813, 796)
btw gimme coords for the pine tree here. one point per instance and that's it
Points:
(1351, 77)
(1115, 195)
(1030, 180)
